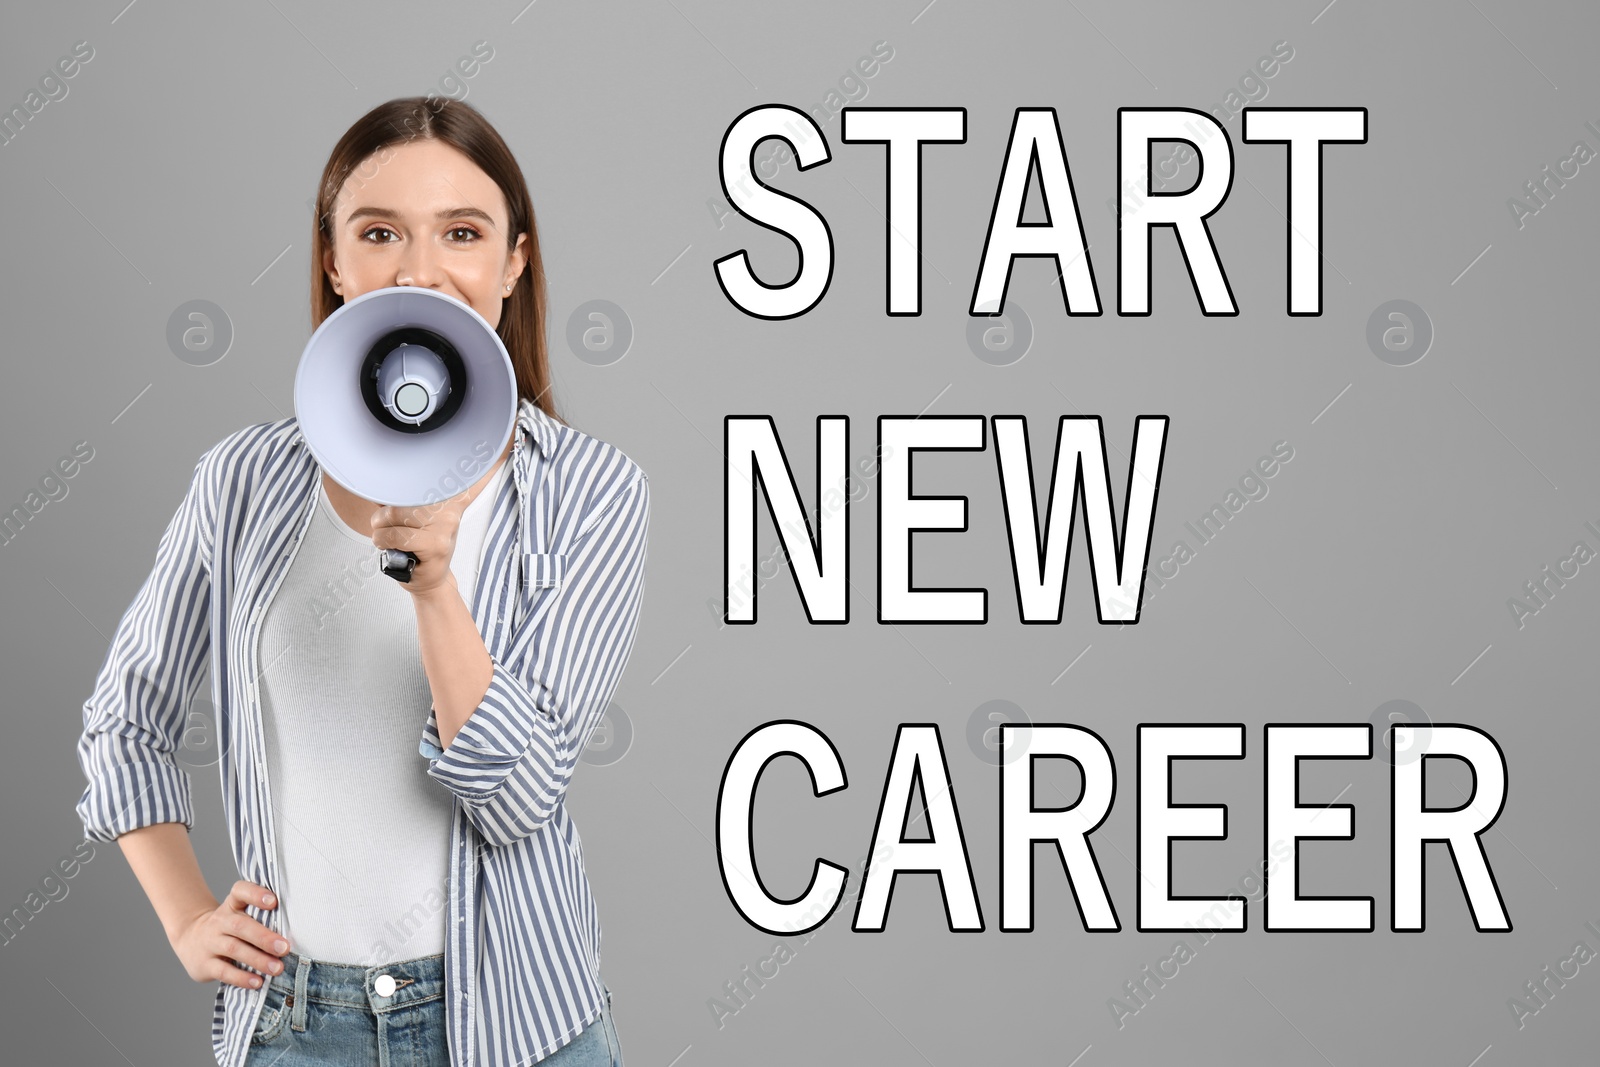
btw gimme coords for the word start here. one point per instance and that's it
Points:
(1035, 142)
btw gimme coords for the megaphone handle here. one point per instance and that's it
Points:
(398, 565)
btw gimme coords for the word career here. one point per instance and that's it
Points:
(1288, 819)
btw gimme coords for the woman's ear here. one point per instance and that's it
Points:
(331, 269)
(518, 261)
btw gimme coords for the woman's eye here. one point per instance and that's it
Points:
(458, 234)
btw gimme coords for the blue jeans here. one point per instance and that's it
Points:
(335, 1013)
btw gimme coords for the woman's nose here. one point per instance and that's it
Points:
(418, 271)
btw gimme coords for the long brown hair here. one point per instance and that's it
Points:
(464, 128)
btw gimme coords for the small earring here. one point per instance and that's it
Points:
(508, 287)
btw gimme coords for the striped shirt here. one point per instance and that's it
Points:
(557, 605)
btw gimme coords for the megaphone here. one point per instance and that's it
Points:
(405, 396)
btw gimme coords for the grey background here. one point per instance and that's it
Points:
(179, 166)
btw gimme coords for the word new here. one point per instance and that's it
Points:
(821, 570)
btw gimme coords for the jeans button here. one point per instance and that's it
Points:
(383, 985)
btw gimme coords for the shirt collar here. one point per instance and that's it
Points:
(533, 421)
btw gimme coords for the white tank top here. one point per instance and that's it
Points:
(363, 834)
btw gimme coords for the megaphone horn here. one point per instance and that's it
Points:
(405, 396)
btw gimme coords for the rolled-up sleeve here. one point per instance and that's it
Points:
(511, 761)
(133, 723)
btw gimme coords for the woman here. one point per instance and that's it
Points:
(394, 757)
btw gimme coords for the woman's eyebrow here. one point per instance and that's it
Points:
(448, 213)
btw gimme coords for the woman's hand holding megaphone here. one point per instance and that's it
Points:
(427, 532)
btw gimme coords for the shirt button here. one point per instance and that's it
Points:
(383, 985)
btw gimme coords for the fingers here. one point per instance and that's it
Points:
(231, 975)
(251, 956)
(220, 937)
(426, 544)
(443, 513)
(419, 516)
(405, 539)
(242, 927)
(244, 893)
(246, 929)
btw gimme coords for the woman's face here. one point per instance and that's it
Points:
(421, 213)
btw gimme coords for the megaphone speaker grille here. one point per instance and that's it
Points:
(396, 389)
